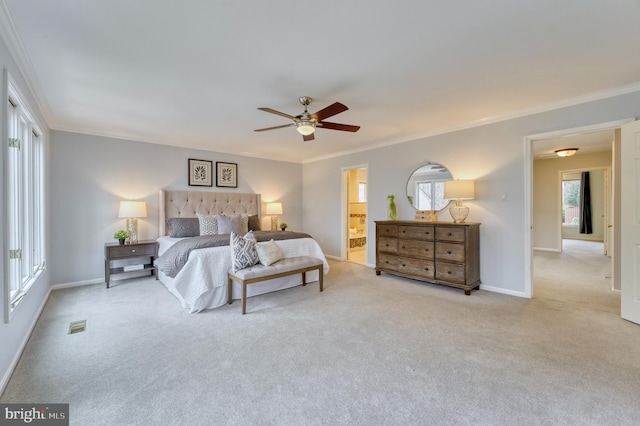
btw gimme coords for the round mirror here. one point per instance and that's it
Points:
(425, 188)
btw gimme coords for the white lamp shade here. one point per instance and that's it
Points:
(459, 190)
(274, 208)
(133, 209)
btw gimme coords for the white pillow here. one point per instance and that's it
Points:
(208, 224)
(268, 252)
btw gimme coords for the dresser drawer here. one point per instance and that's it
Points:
(387, 245)
(450, 233)
(416, 248)
(387, 262)
(450, 251)
(417, 267)
(134, 250)
(387, 231)
(425, 233)
(450, 272)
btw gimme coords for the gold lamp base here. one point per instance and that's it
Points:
(274, 223)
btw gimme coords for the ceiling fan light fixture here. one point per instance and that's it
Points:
(566, 152)
(306, 128)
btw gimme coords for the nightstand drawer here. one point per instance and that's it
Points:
(126, 251)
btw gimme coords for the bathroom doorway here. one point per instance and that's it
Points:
(356, 214)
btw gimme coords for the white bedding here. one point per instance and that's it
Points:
(202, 283)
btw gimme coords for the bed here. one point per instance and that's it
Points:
(201, 283)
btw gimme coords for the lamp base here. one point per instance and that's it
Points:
(459, 212)
(274, 223)
(132, 229)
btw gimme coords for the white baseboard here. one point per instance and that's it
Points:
(547, 249)
(332, 257)
(23, 344)
(503, 291)
(77, 284)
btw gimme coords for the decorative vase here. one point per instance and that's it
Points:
(392, 207)
(121, 241)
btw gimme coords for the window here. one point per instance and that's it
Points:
(25, 199)
(571, 202)
(362, 192)
(430, 196)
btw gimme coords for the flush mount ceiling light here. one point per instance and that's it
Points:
(566, 152)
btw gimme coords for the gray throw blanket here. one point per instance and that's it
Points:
(173, 260)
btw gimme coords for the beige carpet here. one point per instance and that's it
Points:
(369, 350)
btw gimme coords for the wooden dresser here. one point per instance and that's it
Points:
(436, 252)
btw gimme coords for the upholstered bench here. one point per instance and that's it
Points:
(282, 268)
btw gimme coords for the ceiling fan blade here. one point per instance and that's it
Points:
(273, 111)
(308, 137)
(274, 127)
(330, 111)
(338, 126)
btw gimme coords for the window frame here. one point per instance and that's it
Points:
(23, 197)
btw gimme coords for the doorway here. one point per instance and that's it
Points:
(533, 146)
(355, 241)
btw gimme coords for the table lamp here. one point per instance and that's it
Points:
(132, 210)
(274, 209)
(459, 190)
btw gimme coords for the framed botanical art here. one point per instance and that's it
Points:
(227, 175)
(200, 172)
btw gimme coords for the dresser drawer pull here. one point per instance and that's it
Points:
(386, 245)
(450, 234)
(404, 232)
(133, 250)
(449, 252)
(426, 269)
(426, 250)
(449, 272)
(403, 247)
(403, 265)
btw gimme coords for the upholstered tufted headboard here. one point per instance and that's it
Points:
(189, 203)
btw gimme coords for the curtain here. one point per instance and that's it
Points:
(585, 205)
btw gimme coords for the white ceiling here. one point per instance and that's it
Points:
(192, 73)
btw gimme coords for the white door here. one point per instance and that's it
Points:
(630, 222)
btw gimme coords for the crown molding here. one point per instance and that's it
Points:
(9, 34)
(578, 100)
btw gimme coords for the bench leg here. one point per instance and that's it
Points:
(304, 279)
(230, 291)
(244, 298)
(320, 277)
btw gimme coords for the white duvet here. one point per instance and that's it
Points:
(202, 282)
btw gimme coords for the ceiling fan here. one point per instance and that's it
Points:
(306, 123)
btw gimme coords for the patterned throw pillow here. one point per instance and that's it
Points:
(268, 252)
(180, 227)
(208, 224)
(243, 251)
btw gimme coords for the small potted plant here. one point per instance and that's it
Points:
(283, 226)
(121, 235)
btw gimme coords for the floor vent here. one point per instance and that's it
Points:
(77, 327)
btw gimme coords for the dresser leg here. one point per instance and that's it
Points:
(377, 272)
(467, 292)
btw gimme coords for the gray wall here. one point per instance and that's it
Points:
(493, 155)
(90, 175)
(15, 334)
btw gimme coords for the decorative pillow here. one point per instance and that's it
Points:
(268, 252)
(243, 251)
(254, 223)
(208, 225)
(229, 224)
(180, 227)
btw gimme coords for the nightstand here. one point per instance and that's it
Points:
(115, 251)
